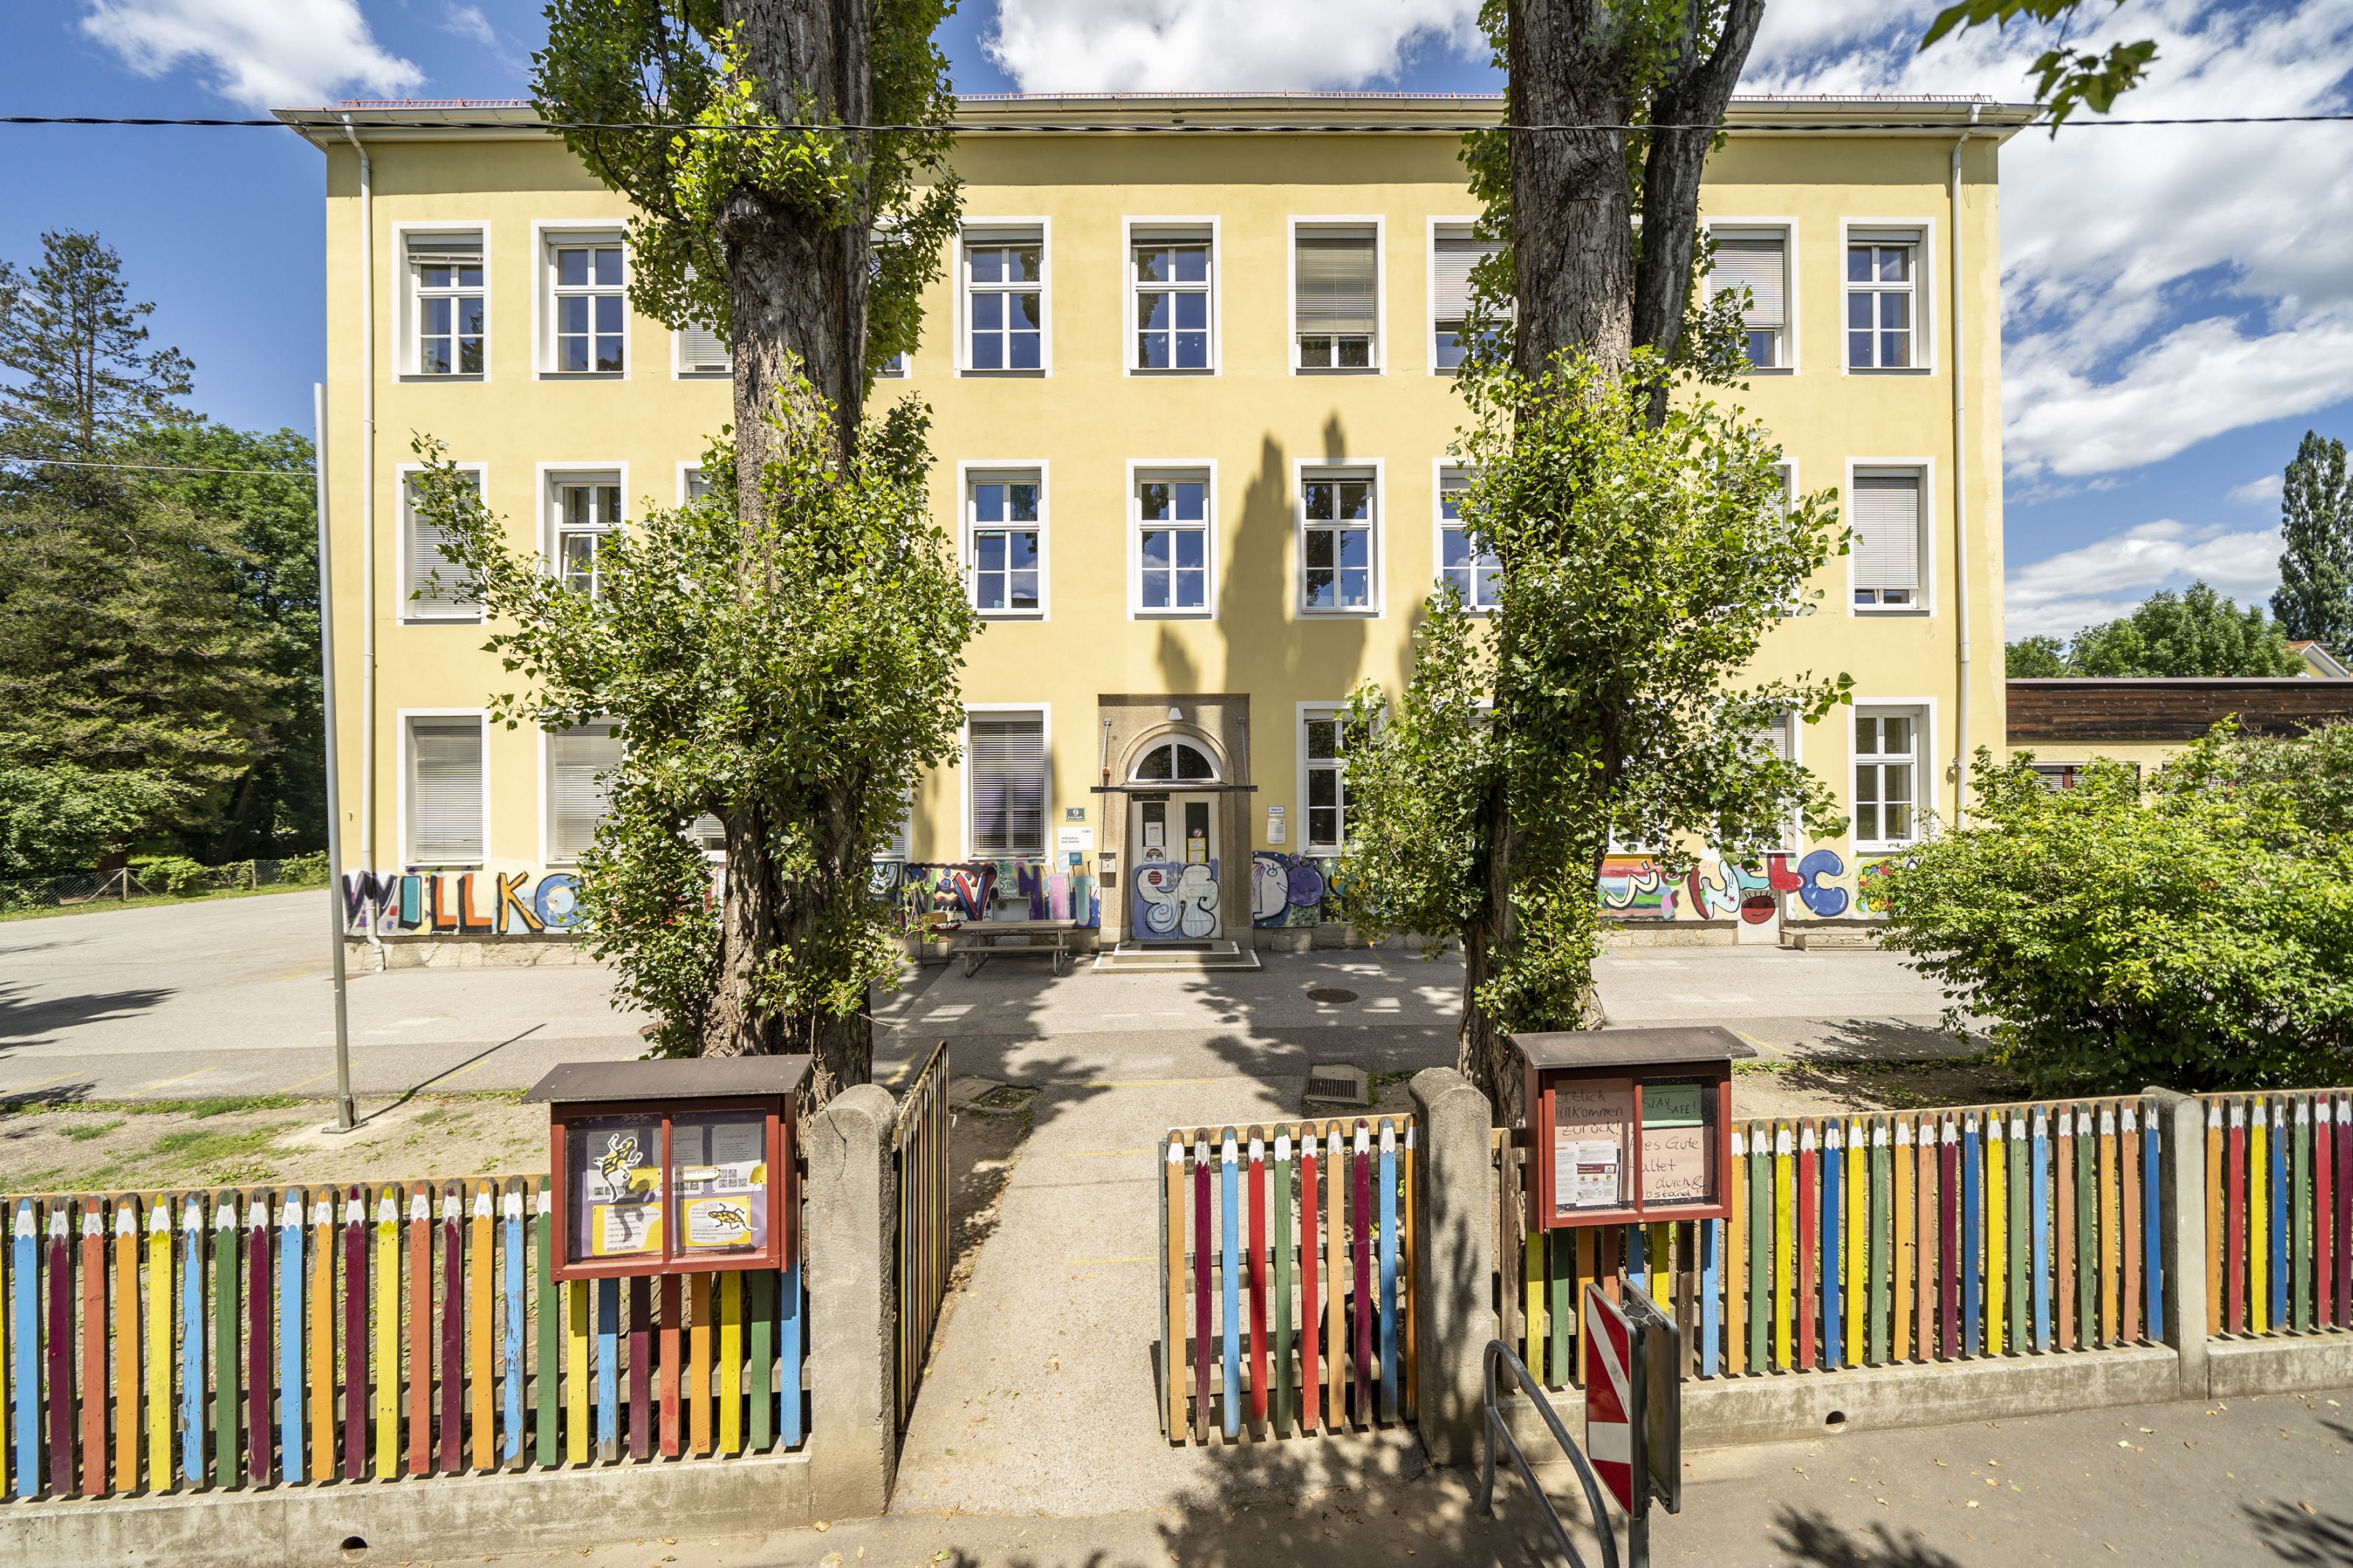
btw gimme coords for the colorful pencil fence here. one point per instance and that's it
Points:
(297, 1335)
(919, 1143)
(1876, 1240)
(1287, 1303)
(2279, 1213)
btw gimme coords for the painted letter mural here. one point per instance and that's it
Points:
(459, 904)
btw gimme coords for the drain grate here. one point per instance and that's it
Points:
(1330, 995)
(1337, 1083)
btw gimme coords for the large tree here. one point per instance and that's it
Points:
(781, 219)
(1645, 542)
(2315, 591)
(2197, 632)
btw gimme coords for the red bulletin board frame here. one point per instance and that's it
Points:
(1541, 1081)
(783, 1187)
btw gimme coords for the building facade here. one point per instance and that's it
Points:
(1193, 399)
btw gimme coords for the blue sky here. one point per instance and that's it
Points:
(2178, 306)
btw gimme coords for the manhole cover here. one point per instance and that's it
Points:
(1331, 995)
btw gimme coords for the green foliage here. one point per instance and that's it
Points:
(2064, 78)
(57, 816)
(173, 874)
(79, 374)
(309, 870)
(676, 62)
(2196, 632)
(2315, 591)
(1642, 569)
(798, 672)
(2195, 931)
(2037, 658)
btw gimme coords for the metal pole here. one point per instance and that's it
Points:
(344, 1118)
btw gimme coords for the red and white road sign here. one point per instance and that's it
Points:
(1610, 1395)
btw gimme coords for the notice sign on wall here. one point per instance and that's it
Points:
(1592, 1143)
(1675, 1143)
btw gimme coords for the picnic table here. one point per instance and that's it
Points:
(979, 941)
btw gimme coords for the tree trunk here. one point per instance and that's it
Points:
(1572, 203)
(1484, 1052)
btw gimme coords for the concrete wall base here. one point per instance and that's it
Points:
(2238, 1368)
(416, 1520)
(1778, 1407)
(465, 952)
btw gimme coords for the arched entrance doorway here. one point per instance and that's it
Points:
(1173, 833)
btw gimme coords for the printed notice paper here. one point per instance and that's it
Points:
(1591, 1129)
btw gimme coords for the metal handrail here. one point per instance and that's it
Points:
(1500, 1353)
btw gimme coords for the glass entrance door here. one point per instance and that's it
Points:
(1173, 847)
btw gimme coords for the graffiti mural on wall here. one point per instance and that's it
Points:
(1174, 901)
(957, 891)
(1815, 885)
(1293, 889)
(459, 904)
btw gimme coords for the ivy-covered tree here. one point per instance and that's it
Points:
(1646, 544)
(2315, 592)
(795, 669)
(779, 219)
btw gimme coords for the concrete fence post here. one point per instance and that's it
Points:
(2182, 1240)
(853, 1434)
(1454, 1248)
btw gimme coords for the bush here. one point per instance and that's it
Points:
(2195, 931)
(304, 870)
(175, 874)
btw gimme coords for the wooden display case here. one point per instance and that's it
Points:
(668, 1167)
(1628, 1126)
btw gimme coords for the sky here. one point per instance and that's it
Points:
(2178, 301)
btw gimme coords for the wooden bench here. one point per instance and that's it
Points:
(977, 941)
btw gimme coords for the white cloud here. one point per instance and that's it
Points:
(2256, 491)
(2062, 595)
(468, 22)
(2163, 285)
(1132, 45)
(264, 54)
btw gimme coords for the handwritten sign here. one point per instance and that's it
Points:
(1591, 1134)
(1674, 1143)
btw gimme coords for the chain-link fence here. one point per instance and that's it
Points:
(166, 878)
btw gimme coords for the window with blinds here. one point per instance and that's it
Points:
(445, 790)
(580, 763)
(1886, 551)
(1336, 298)
(1005, 763)
(1758, 263)
(1454, 253)
(438, 589)
(703, 352)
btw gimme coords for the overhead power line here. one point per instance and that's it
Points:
(1222, 128)
(157, 467)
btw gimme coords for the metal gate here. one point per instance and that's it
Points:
(919, 1159)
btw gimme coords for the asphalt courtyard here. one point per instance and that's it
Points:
(232, 999)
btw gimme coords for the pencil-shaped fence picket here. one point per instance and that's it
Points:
(1876, 1240)
(1288, 1295)
(2279, 1212)
(298, 1335)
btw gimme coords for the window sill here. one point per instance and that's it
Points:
(1340, 370)
(727, 374)
(1014, 615)
(1777, 370)
(414, 866)
(430, 378)
(1143, 613)
(1894, 612)
(1307, 613)
(583, 376)
(441, 620)
(1890, 370)
(1172, 372)
(1004, 374)
(1861, 849)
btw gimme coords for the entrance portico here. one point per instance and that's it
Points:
(1174, 814)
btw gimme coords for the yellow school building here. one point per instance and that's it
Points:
(1193, 398)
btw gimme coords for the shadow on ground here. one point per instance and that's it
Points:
(2296, 1533)
(1813, 1540)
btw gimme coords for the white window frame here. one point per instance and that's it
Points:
(1140, 469)
(689, 471)
(1302, 470)
(680, 370)
(982, 233)
(1045, 712)
(552, 477)
(1920, 233)
(547, 846)
(1380, 351)
(1171, 231)
(1794, 725)
(1302, 714)
(1440, 227)
(406, 577)
(1783, 229)
(1925, 469)
(1439, 468)
(547, 237)
(1019, 471)
(1925, 772)
(408, 307)
(406, 719)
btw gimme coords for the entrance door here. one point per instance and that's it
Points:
(1173, 847)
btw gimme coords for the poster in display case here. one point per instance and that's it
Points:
(1627, 1125)
(673, 1167)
